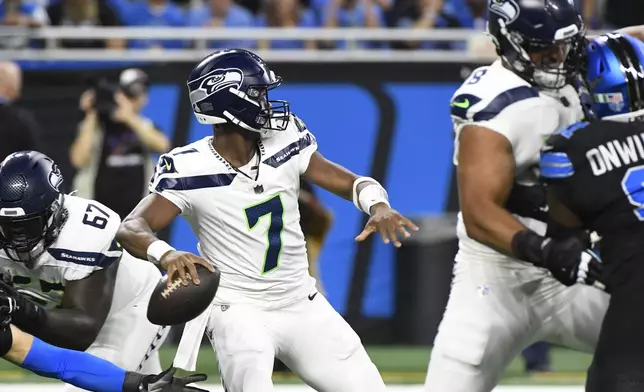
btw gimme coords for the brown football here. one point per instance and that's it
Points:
(177, 304)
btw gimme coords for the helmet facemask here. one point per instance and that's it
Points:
(25, 238)
(268, 116)
(545, 64)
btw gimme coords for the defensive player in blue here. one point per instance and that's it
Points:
(76, 367)
(595, 176)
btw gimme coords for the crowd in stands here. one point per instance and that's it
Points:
(418, 14)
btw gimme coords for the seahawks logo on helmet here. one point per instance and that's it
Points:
(508, 10)
(221, 79)
(55, 177)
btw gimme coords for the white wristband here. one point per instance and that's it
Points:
(157, 250)
(370, 195)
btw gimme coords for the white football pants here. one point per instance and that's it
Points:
(495, 310)
(309, 336)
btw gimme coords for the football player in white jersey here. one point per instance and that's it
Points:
(74, 285)
(239, 192)
(513, 279)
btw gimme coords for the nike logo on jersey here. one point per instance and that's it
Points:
(312, 296)
(462, 104)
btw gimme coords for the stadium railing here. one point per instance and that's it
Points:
(478, 45)
(201, 36)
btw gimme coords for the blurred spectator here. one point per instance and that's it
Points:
(157, 13)
(19, 130)
(588, 9)
(22, 13)
(623, 13)
(17, 13)
(84, 13)
(285, 13)
(353, 13)
(319, 6)
(223, 13)
(114, 142)
(254, 6)
(454, 14)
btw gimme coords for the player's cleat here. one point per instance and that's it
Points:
(177, 304)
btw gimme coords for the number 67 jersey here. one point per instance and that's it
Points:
(597, 171)
(84, 245)
(247, 228)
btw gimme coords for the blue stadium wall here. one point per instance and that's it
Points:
(388, 121)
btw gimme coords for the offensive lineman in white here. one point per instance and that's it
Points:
(511, 276)
(239, 192)
(74, 285)
(513, 281)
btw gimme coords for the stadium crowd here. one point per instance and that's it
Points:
(418, 14)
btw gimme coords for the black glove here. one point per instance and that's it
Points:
(7, 307)
(568, 260)
(163, 382)
(27, 315)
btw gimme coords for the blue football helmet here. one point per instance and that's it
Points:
(231, 86)
(31, 205)
(542, 41)
(615, 77)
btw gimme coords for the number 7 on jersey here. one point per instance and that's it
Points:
(275, 210)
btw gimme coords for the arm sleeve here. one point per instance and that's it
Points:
(306, 142)
(75, 367)
(167, 182)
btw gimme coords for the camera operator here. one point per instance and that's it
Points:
(114, 142)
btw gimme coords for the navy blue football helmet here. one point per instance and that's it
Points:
(31, 205)
(542, 41)
(231, 86)
(615, 77)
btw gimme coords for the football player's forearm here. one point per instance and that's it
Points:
(69, 328)
(330, 176)
(135, 235)
(75, 367)
(493, 226)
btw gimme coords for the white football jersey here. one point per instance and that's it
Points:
(248, 229)
(85, 244)
(496, 98)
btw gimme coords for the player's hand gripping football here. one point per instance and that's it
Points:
(183, 263)
(570, 262)
(167, 382)
(387, 222)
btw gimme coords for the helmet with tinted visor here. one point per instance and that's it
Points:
(31, 205)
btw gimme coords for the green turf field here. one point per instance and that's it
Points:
(402, 365)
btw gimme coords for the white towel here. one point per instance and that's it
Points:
(188, 351)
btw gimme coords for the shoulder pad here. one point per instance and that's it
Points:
(301, 127)
(98, 225)
(555, 164)
(487, 92)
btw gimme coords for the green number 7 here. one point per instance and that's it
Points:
(275, 210)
